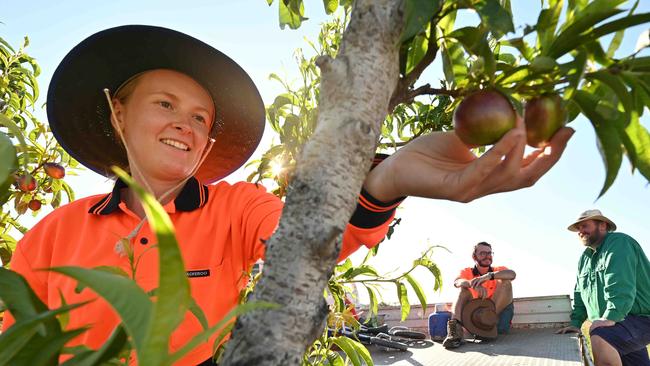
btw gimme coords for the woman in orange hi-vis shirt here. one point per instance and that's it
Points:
(182, 116)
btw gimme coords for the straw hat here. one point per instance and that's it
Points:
(592, 215)
(479, 317)
(78, 111)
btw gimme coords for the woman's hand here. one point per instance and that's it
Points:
(439, 165)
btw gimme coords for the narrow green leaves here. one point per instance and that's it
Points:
(291, 13)
(354, 350)
(497, 19)
(418, 13)
(547, 23)
(609, 142)
(125, 296)
(418, 291)
(402, 295)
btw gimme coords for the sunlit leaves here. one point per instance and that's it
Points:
(418, 13)
(497, 19)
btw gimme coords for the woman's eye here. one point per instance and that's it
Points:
(200, 119)
(165, 104)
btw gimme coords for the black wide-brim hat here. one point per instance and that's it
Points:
(79, 114)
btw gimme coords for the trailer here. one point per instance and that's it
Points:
(531, 341)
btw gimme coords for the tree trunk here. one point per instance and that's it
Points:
(355, 92)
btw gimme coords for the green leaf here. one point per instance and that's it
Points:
(8, 158)
(574, 71)
(610, 144)
(418, 13)
(618, 37)
(521, 45)
(291, 14)
(109, 350)
(569, 37)
(354, 350)
(17, 132)
(330, 6)
(374, 306)
(618, 87)
(24, 331)
(453, 62)
(416, 51)
(433, 268)
(639, 147)
(547, 22)
(130, 302)
(403, 299)
(20, 299)
(198, 313)
(418, 291)
(173, 287)
(361, 270)
(497, 19)
(45, 351)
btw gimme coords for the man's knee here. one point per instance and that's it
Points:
(505, 284)
(604, 353)
(465, 294)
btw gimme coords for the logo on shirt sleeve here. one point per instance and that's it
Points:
(198, 273)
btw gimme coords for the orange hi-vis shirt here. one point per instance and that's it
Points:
(472, 272)
(220, 230)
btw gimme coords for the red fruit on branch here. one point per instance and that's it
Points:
(483, 117)
(34, 205)
(543, 116)
(26, 183)
(54, 170)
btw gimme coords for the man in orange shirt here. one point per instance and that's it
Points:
(485, 282)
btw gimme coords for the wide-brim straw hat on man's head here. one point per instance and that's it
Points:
(592, 215)
(479, 317)
(79, 114)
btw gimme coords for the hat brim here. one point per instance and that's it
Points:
(610, 223)
(466, 318)
(79, 115)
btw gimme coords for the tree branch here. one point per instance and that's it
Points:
(405, 82)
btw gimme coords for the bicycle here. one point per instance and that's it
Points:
(372, 336)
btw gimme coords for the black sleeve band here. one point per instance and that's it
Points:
(371, 212)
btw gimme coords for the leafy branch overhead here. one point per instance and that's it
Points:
(570, 51)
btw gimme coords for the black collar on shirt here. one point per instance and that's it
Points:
(192, 196)
(476, 273)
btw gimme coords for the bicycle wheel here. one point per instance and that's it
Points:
(388, 343)
(407, 333)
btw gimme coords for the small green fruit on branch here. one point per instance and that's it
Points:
(483, 117)
(543, 115)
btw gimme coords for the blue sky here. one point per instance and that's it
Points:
(527, 228)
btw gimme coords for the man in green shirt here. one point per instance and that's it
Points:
(612, 291)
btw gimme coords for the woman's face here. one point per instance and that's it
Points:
(165, 121)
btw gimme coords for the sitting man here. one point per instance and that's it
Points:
(481, 281)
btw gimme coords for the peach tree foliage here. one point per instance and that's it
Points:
(570, 50)
(27, 147)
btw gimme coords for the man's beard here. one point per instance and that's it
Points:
(589, 240)
(485, 262)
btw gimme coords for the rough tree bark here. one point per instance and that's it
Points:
(356, 88)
